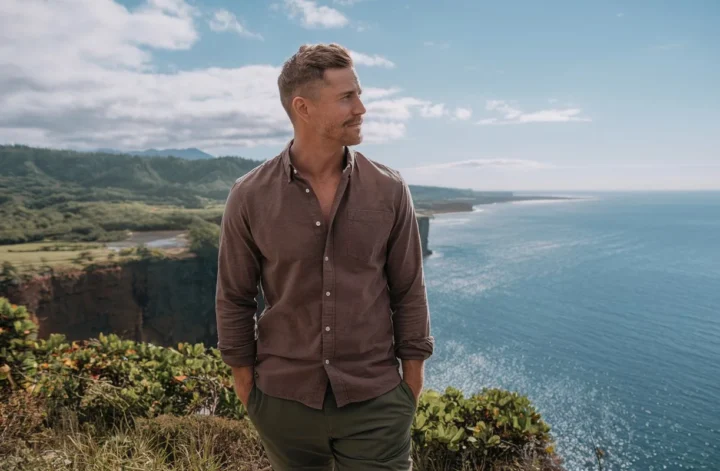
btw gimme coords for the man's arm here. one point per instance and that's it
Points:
(237, 280)
(408, 296)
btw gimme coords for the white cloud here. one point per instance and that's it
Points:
(377, 132)
(436, 44)
(58, 89)
(512, 115)
(486, 174)
(223, 20)
(385, 118)
(376, 93)
(671, 46)
(347, 3)
(313, 15)
(401, 109)
(463, 113)
(371, 61)
(433, 111)
(518, 164)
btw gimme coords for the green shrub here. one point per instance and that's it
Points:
(204, 237)
(495, 426)
(119, 379)
(18, 345)
(110, 381)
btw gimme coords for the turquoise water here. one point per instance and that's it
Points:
(605, 312)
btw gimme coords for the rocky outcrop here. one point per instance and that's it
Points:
(162, 301)
(424, 227)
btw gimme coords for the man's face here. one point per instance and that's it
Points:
(336, 112)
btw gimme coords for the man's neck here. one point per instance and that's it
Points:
(318, 161)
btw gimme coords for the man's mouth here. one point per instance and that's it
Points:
(355, 124)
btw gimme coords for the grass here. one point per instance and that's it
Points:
(79, 221)
(27, 256)
(32, 256)
(170, 443)
(164, 443)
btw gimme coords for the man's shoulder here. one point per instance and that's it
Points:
(258, 177)
(380, 171)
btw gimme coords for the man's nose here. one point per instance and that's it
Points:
(360, 108)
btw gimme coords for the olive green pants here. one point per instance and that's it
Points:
(368, 435)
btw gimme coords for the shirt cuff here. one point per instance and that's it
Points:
(420, 349)
(237, 358)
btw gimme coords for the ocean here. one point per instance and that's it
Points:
(604, 311)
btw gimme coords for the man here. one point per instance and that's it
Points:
(333, 238)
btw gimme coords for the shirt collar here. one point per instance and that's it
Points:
(290, 170)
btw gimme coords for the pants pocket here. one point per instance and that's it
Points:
(251, 400)
(408, 393)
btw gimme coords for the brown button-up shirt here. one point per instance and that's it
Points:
(343, 301)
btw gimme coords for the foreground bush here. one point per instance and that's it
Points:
(164, 443)
(118, 389)
(17, 344)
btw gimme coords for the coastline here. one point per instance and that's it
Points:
(449, 207)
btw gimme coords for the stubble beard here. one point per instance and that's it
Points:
(344, 134)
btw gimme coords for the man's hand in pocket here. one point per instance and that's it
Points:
(243, 379)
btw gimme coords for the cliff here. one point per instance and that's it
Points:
(424, 227)
(158, 301)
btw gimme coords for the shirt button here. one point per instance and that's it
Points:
(317, 223)
(307, 190)
(294, 170)
(327, 362)
(327, 293)
(327, 329)
(327, 258)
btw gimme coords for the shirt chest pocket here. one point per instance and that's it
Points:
(368, 230)
(288, 241)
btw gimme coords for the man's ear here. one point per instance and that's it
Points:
(300, 109)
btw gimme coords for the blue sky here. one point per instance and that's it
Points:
(520, 95)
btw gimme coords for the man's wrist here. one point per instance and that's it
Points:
(243, 376)
(413, 374)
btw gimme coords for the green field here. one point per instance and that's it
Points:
(33, 255)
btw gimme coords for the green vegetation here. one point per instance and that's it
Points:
(56, 195)
(109, 403)
(71, 196)
(22, 261)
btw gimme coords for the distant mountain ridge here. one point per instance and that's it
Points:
(109, 175)
(191, 153)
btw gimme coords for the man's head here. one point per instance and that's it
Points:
(320, 91)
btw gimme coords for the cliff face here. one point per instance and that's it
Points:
(424, 226)
(162, 301)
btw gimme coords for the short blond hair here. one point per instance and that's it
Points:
(308, 65)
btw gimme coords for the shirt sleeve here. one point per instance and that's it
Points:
(237, 283)
(406, 282)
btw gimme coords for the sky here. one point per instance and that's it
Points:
(492, 95)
